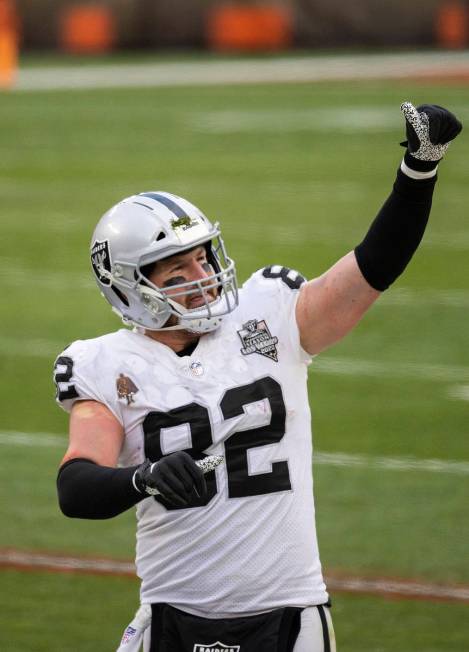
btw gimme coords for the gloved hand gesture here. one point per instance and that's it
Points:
(429, 130)
(176, 477)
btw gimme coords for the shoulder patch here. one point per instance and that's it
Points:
(256, 338)
(290, 277)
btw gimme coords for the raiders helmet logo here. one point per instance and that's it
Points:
(215, 647)
(101, 260)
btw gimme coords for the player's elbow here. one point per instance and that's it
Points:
(89, 490)
(69, 502)
(75, 492)
(67, 506)
(75, 505)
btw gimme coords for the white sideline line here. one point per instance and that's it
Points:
(391, 463)
(401, 588)
(454, 467)
(381, 369)
(13, 438)
(459, 392)
(254, 71)
(58, 562)
(47, 281)
(58, 281)
(347, 118)
(395, 587)
(408, 297)
(13, 276)
(34, 348)
(41, 348)
(278, 234)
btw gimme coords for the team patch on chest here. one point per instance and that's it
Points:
(256, 338)
(126, 388)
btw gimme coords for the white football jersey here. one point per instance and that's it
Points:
(241, 394)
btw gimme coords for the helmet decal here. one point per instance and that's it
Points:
(134, 235)
(101, 261)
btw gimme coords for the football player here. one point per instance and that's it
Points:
(208, 373)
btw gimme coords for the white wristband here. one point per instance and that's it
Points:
(413, 174)
(133, 482)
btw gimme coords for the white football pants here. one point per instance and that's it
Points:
(312, 636)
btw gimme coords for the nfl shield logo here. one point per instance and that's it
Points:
(216, 647)
(128, 634)
(101, 260)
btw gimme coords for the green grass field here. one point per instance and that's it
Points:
(295, 174)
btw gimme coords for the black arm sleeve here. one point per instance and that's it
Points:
(396, 231)
(87, 490)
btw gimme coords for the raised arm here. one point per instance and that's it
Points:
(330, 306)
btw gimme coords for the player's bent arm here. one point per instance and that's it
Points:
(88, 484)
(330, 306)
(95, 434)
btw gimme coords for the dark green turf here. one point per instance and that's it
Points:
(298, 196)
(68, 612)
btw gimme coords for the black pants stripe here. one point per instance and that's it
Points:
(325, 628)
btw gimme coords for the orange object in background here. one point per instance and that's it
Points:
(249, 27)
(87, 29)
(452, 25)
(9, 43)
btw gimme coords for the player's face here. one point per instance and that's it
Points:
(184, 268)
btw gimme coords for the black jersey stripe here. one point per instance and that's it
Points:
(325, 628)
(166, 201)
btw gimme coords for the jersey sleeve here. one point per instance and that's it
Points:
(77, 377)
(277, 288)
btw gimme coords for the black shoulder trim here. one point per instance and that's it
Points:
(65, 388)
(290, 277)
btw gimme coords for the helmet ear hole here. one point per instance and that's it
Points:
(146, 271)
(160, 236)
(120, 295)
(211, 257)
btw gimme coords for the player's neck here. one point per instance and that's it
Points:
(175, 340)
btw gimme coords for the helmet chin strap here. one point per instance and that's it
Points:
(211, 324)
(197, 323)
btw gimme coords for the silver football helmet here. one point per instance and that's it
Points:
(144, 229)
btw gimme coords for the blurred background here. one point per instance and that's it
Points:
(281, 120)
(81, 26)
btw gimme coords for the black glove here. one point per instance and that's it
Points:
(176, 477)
(429, 130)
